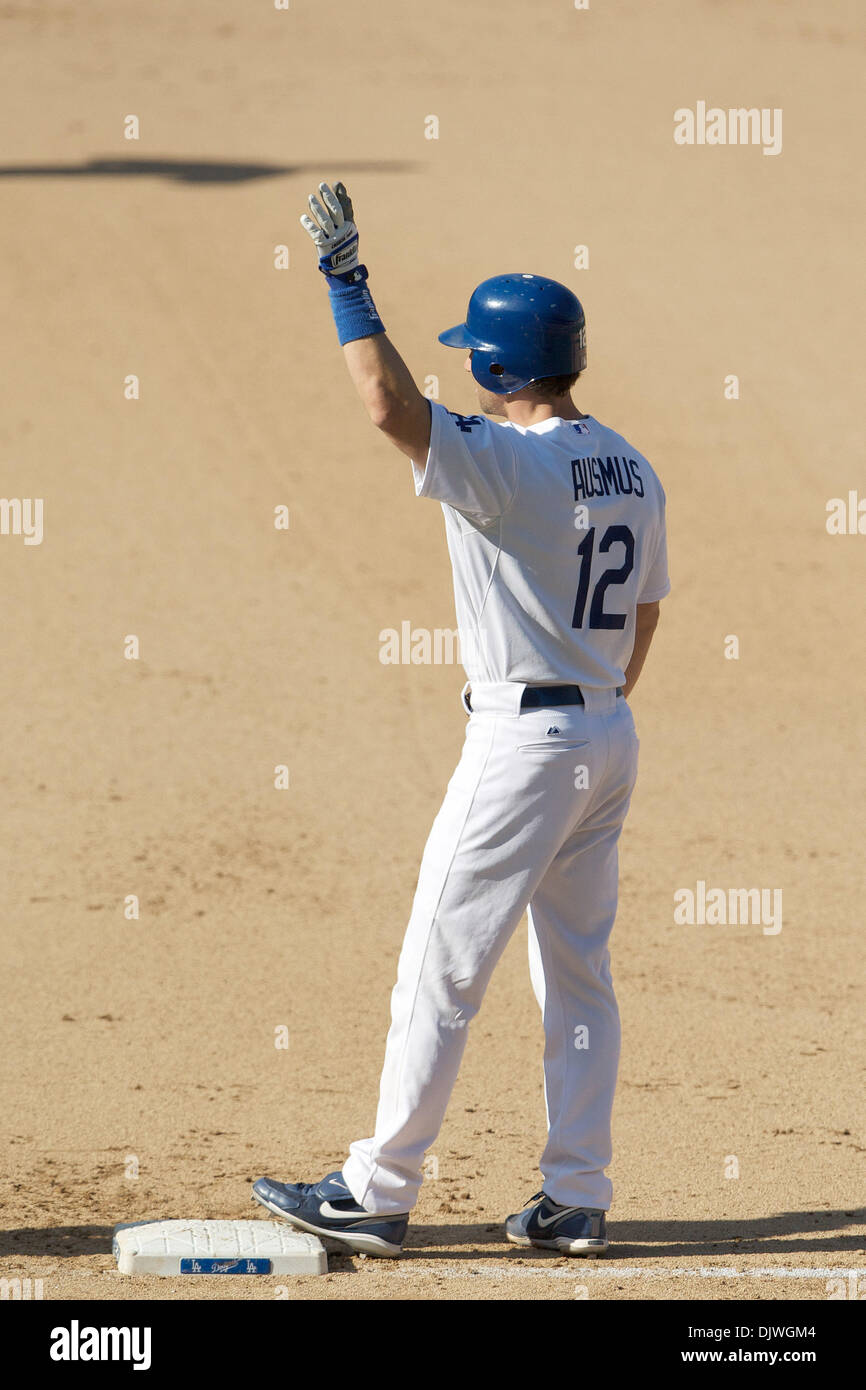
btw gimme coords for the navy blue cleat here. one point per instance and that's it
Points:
(570, 1230)
(327, 1208)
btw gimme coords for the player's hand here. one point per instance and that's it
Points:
(333, 230)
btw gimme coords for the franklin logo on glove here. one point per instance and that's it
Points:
(333, 230)
(335, 236)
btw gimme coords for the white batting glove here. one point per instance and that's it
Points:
(334, 232)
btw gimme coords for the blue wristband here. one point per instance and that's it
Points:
(355, 314)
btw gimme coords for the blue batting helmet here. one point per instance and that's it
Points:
(521, 328)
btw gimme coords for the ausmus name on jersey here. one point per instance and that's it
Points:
(556, 532)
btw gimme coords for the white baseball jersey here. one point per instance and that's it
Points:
(556, 532)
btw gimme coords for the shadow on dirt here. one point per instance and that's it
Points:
(57, 1240)
(817, 1234)
(194, 170)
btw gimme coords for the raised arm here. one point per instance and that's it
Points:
(392, 400)
(381, 377)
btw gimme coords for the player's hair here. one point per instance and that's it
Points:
(553, 385)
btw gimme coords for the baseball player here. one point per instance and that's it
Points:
(556, 532)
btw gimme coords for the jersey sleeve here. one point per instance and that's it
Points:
(471, 464)
(656, 581)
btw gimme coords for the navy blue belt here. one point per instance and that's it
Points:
(542, 696)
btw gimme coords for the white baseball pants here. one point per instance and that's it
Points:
(530, 820)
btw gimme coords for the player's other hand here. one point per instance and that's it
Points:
(333, 230)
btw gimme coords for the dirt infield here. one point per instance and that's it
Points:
(140, 1072)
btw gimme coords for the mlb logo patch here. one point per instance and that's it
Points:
(581, 427)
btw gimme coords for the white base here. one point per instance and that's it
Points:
(216, 1247)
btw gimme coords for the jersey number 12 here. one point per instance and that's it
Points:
(597, 617)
